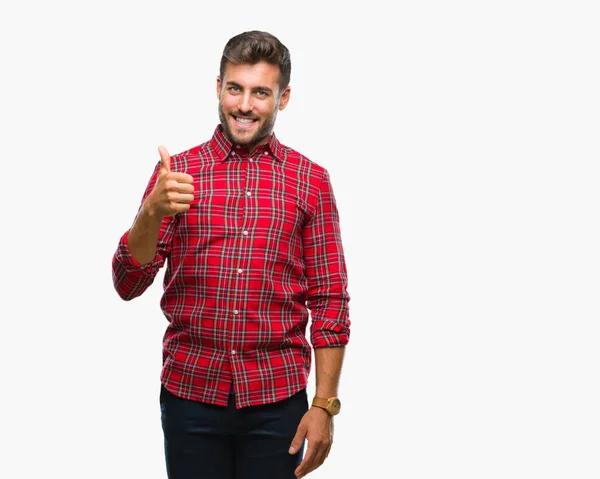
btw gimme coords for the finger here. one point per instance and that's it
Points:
(177, 187)
(297, 441)
(327, 451)
(306, 465)
(180, 208)
(310, 467)
(178, 198)
(165, 158)
(320, 459)
(181, 177)
(315, 458)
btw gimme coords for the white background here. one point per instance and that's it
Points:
(462, 142)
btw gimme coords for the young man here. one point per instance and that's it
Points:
(251, 233)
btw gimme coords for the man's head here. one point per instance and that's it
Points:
(253, 84)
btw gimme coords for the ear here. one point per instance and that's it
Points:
(285, 97)
(218, 87)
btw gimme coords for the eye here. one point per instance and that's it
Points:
(262, 93)
(234, 88)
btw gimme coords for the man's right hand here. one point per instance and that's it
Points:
(173, 192)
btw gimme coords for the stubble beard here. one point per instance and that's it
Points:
(263, 131)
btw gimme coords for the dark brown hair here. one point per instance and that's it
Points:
(253, 47)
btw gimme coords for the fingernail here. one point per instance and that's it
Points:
(292, 450)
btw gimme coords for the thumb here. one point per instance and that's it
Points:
(165, 158)
(297, 441)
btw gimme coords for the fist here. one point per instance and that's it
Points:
(173, 192)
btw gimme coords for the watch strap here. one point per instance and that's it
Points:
(320, 402)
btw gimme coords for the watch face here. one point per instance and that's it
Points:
(335, 406)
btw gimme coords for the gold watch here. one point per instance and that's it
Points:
(331, 405)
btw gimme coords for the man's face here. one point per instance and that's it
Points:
(249, 98)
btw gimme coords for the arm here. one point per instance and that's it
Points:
(317, 425)
(327, 296)
(143, 249)
(143, 235)
(168, 194)
(328, 368)
(327, 300)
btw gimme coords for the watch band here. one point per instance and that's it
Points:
(331, 405)
(320, 402)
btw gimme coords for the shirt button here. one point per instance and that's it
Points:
(248, 193)
(251, 160)
(236, 311)
(246, 232)
(233, 351)
(266, 153)
(240, 270)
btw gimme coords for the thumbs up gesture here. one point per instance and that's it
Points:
(165, 159)
(173, 192)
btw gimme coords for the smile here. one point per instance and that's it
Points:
(243, 122)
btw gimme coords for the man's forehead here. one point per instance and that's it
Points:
(248, 72)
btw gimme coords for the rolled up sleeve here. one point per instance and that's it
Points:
(130, 278)
(327, 296)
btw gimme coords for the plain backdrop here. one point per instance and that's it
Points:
(462, 143)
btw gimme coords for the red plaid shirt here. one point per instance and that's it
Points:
(259, 247)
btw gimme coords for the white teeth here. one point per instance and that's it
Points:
(244, 120)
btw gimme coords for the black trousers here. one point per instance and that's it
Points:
(204, 441)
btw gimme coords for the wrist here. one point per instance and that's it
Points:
(320, 411)
(149, 210)
(331, 405)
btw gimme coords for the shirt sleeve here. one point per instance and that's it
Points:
(130, 278)
(327, 296)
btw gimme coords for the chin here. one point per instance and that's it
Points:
(243, 137)
(242, 140)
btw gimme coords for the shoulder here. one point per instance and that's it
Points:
(194, 157)
(307, 176)
(300, 163)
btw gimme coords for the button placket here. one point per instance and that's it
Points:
(243, 215)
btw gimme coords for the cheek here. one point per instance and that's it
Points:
(264, 111)
(229, 102)
(225, 104)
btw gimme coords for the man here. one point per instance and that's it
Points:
(251, 233)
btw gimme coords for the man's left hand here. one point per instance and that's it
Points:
(317, 427)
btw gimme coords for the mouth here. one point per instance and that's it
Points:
(244, 122)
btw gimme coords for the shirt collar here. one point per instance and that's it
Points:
(222, 146)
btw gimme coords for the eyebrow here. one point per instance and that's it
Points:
(258, 88)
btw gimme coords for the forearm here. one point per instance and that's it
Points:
(328, 368)
(143, 235)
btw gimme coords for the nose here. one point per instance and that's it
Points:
(246, 105)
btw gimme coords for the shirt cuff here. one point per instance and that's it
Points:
(129, 263)
(328, 333)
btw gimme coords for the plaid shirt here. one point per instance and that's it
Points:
(259, 247)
